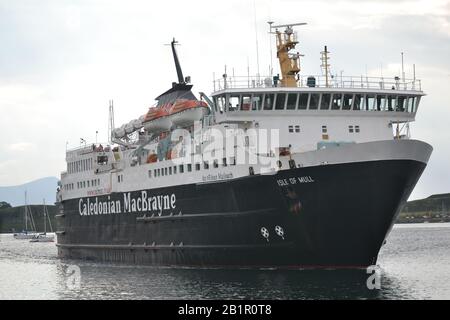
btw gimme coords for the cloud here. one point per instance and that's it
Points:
(20, 146)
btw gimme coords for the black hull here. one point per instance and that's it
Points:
(332, 216)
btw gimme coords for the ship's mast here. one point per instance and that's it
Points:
(325, 65)
(177, 62)
(289, 62)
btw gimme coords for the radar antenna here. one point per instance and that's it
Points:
(289, 62)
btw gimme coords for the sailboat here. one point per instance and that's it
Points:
(44, 237)
(27, 234)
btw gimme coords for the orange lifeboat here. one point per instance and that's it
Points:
(157, 120)
(186, 112)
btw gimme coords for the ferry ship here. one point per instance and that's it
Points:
(284, 171)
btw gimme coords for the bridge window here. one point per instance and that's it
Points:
(336, 101)
(314, 101)
(257, 101)
(369, 102)
(246, 102)
(280, 101)
(325, 102)
(357, 102)
(417, 104)
(303, 101)
(411, 104)
(390, 103)
(401, 104)
(220, 104)
(381, 101)
(233, 103)
(347, 103)
(291, 101)
(324, 129)
(268, 101)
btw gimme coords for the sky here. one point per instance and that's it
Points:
(61, 61)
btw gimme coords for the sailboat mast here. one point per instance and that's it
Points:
(26, 212)
(45, 219)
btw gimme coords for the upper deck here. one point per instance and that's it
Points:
(319, 83)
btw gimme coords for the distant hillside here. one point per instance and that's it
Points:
(12, 219)
(435, 208)
(37, 190)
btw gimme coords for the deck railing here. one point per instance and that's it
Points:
(345, 82)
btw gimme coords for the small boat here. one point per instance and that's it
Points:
(44, 237)
(186, 112)
(157, 120)
(27, 234)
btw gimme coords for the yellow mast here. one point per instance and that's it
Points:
(289, 63)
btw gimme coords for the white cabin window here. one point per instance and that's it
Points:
(206, 165)
(350, 129)
(149, 173)
(297, 129)
(170, 170)
(324, 129)
(189, 167)
(181, 168)
(175, 170)
(291, 129)
(357, 129)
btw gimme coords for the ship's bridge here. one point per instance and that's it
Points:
(355, 109)
(315, 93)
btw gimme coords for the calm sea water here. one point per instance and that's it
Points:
(415, 264)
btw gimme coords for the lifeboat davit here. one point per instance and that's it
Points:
(157, 120)
(185, 112)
